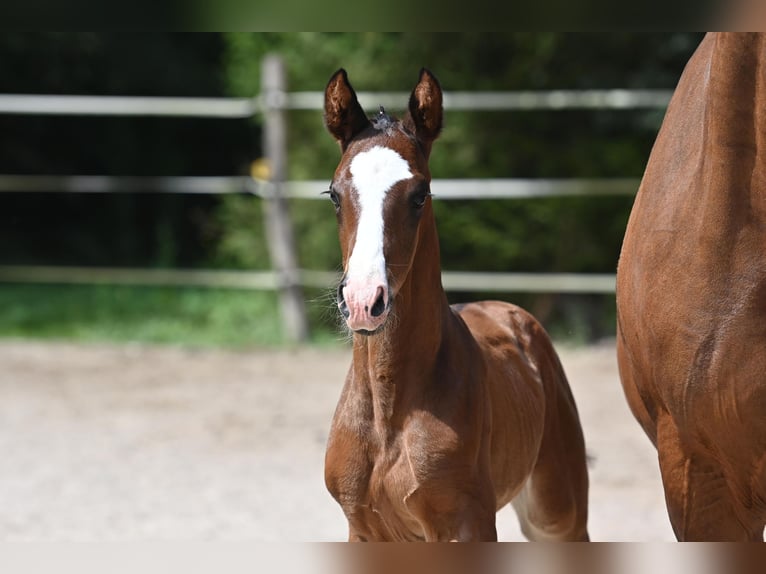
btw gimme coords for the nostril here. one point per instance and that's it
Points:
(380, 304)
(342, 302)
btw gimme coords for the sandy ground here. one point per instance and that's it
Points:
(135, 443)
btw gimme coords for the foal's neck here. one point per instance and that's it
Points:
(405, 351)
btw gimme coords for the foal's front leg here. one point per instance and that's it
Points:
(450, 516)
(364, 525)
(477, 525)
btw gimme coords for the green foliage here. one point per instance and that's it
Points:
(242, 243)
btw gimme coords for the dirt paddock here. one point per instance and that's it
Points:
(104, 443)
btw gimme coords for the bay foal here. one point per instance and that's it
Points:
(447, 413)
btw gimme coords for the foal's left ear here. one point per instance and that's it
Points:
(343, 115)
(425, 117)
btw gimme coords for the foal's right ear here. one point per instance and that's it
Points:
(343, 115)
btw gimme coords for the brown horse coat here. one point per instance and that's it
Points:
(447, 414)
(691, 294)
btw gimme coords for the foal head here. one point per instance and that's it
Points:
(381, 193)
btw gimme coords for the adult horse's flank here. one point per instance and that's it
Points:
(691, 294)
(447, 413)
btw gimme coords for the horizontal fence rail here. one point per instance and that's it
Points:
(467, 189)
(126, 184)
(271, 280)
(34, 104)
(311, 189)
(503, 101)
(26, 104)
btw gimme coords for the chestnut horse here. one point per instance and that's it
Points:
(691, 294)
(447, 413)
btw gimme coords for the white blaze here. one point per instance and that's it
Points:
(373, 172)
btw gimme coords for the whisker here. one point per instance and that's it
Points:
(327, 303)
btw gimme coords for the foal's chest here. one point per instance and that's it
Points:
(372, 481)
(382, 461)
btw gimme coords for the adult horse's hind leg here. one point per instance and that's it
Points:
(553, 505)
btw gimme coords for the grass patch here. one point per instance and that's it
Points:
(182, 316)
(206, 317)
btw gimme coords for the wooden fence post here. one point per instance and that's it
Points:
(279, 231)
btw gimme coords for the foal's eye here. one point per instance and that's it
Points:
(419, 198)
(333, 197)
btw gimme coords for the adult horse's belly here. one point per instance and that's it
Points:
(692, 338)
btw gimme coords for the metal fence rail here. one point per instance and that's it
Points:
(35, 104)
(125, 184)
(503, 101)
(443, 189)
(271, 280)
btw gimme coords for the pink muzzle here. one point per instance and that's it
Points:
(364, 304)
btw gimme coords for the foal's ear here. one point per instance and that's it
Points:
(425, 117)
(343, 115)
